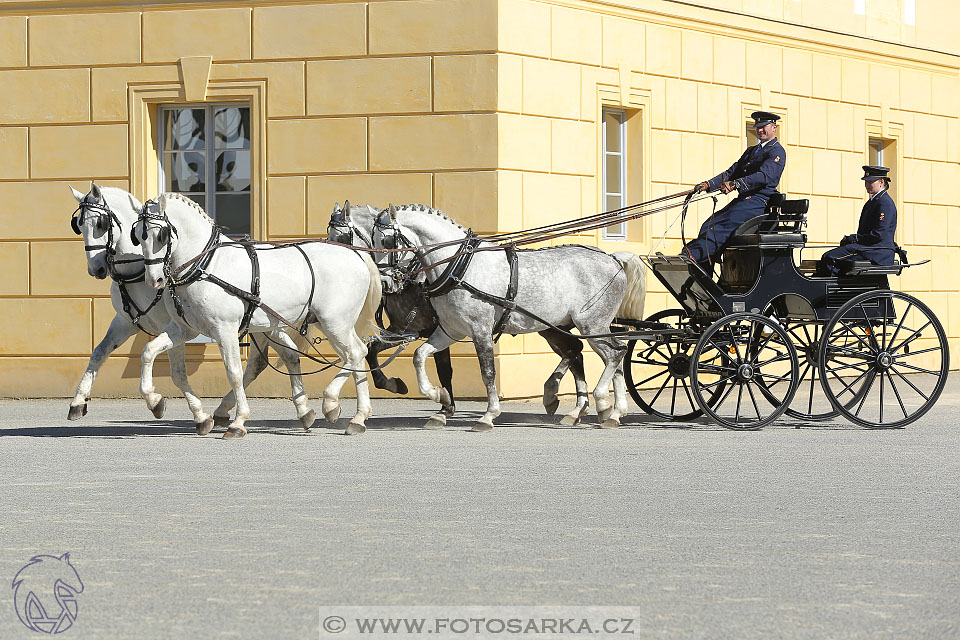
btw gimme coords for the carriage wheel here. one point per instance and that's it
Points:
(755, 359)
(668, 394)
(809, 403)
(888, 351)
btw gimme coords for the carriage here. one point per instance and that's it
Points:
(770, 337)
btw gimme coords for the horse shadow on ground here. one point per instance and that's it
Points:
(462, 421)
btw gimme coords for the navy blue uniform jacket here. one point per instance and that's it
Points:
(874, 237)
(756, 173)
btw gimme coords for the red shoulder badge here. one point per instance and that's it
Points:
(881, 215)
(777, 159)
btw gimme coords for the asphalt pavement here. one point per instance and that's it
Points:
(796, 531)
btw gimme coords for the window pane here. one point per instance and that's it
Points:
(614, 202)
(232, 127)
(876, 152)
(752, 138)
(183, 129)
(611, 120)
(612, 176)
(185, 171)
(615, 230)
(233, 213)
(233, 171)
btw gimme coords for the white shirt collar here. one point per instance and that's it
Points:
(763, 144)
(878, 194)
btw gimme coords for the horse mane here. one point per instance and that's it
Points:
(179, 196)
(423, 208)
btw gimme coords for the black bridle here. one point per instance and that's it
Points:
(103, 217)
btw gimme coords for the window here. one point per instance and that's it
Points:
(205, 155)
(883, 152)
(615, 168)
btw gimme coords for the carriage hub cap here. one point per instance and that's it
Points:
(745, 371)
(884, 360)
(679, 366)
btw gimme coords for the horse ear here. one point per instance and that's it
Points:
(133, 236)
(336, 207)
(77, 194)
(346, 209)
(392, 212)
(95, 190)
(133, 203)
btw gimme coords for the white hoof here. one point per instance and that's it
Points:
(159, 408)
(604, 413)
(609, 424)
(205, 427)
(482, 426)
(331, 410)
(77, 411)
(570, 420)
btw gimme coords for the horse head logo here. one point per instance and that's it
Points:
(45, 593)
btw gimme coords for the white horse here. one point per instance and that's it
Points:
(210, 289)
(104, 219)
(564, 287)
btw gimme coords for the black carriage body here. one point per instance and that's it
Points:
(759, 274)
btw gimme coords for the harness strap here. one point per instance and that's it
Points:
(453, 273)
(254, 299)
(511, 254)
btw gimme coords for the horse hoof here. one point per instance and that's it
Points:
(354, 429)
(603, 414)
(569, 421)
(234, 433)
(332, 414)
(77, 412)
(221, 421)
(205, 427)
(609, 424)
(159, 408)
(551, 405)
(436, 422)
(482, 426)
(308, 419)
(400, 387)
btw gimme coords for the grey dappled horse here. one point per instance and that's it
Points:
(104, 218)
(567, 286)
(409, 310)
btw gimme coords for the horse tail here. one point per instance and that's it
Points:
(636, 290)
(366, 324)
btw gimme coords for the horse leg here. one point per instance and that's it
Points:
(380, 380)
(202, 422)
(620, 391)
(119, 332)
(441, 359)
(351, 350)
(583, 394)
(256, 363)
(611, 352)
(287, 350)
(570, 350)
(438, 341)
(230, 354)
(155, 401)
(488, 371)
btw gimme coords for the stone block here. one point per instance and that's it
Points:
(665, 151)
(524, 142)
(310, 31)
(84, 39)
(285, 85)
(376, 190)
(696, 158)
(696, 60)
(551, 88)
(14, 155)
(287, 206)
(915, 90)
(945, 92)
(851, 170)
(521, 28)
(59, 268)
(916, 181)
(28, 94)
(797, 72)
(929, 143)
(509, 76)
(945, 178)
(53, 198)
(78, 151)
(548, 198)
(884, 85)
(49, 334)
(317, 145)
(827, 77)
(764, 67)
(574, 147)
(712, 114)
(15, 267)
(840, 126)
(368, 86)
(576, 36)
(110, 84)
(813, 115)
(432, 26)
(470, 83)
(826, 172)
(221, 33)
(432, 142)
(729, 61)
(623, 43)
(663, 52)
(681, 105)
(800, 170)
(13, 41)
(471, 198)
(854, 81)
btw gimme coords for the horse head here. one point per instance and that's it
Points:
(100, 219)
(157, 236)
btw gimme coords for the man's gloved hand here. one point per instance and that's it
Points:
(848, 239)
(703, 186)
(727, 187)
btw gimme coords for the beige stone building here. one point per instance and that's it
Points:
(506, 114)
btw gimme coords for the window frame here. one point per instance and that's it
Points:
(621, 233)
(209, 150)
